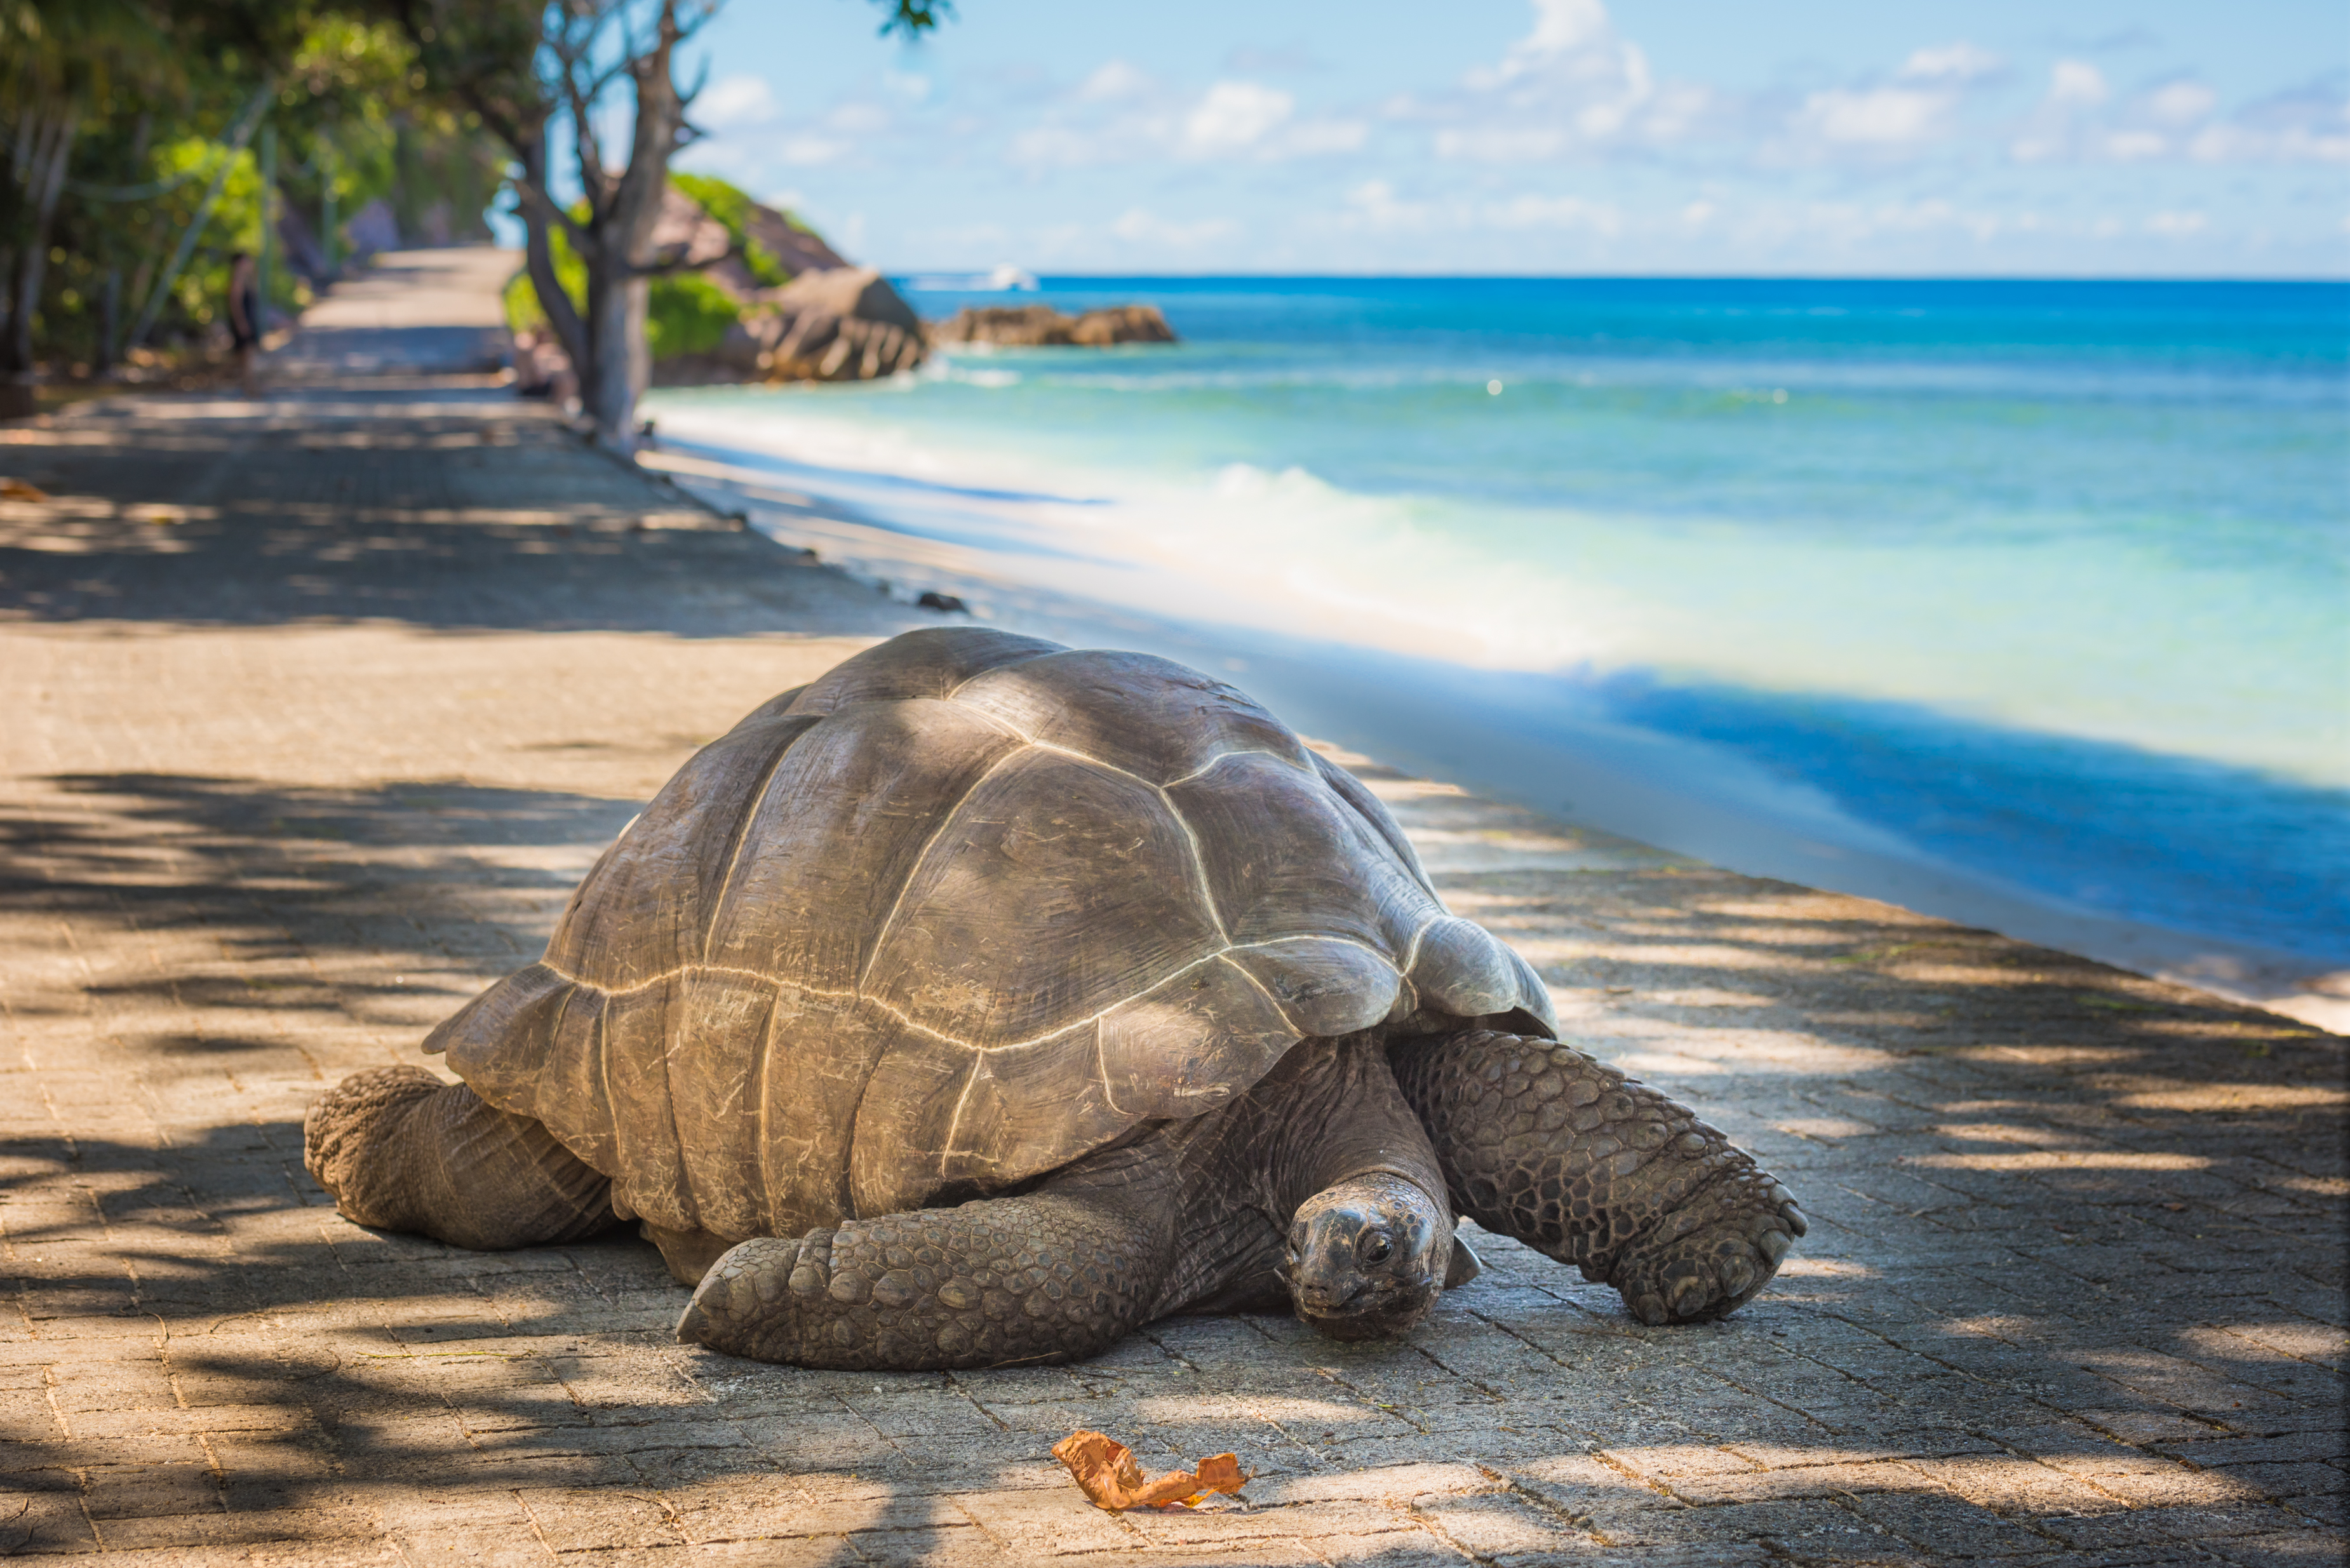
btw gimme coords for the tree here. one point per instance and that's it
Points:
(524, 68)
(132, 170)
(60, 60)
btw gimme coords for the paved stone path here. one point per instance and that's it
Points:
(411, 311)
(315, 708)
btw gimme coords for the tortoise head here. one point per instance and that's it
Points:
(1368, 1257)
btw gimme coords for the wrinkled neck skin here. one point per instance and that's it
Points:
(1340, 1114)
(1229, 1182)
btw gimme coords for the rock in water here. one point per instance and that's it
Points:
(1121, 323)
(1041, 326)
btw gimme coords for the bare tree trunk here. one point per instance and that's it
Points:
(110, 317)
(608, 386)
(46, 179)
(110, 320)
(538, 260)
(15, 203)
(619, 291)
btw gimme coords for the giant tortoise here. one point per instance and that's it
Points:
(986, 999)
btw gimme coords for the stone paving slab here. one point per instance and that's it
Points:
(289, 774)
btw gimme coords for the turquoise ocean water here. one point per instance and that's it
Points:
(2048, 582)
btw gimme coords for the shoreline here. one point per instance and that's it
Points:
(1443, 720)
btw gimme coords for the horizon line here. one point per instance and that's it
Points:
(2294, 281)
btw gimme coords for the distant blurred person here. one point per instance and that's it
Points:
(243, 314)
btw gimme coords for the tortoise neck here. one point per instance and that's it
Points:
(1339, 1115)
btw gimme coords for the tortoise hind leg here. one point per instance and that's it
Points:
(1541, 1142)
(401, 1150)
(1051, 1276)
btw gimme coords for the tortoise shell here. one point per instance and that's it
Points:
(968, 907)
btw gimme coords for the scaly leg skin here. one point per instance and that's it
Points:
(401, 1150)
(1541, 1142)
(1042, 1278)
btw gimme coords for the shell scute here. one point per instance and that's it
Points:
(1191, 1043)
(1462, 969)
(1013, 1114)
(678, 854)
(1324, 986)
(1149, 716)
(1284, 858)
(1353, 791)
(719, 1028)
(844, 818)
(1054, 890)
(637, 1027)
(821, 1056)
(900, 1126)
(932, 663)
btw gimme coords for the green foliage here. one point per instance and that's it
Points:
(352, 121)
(420, 103)
(732, 207)
(522, 313)
(911, 18)
(128, 243)
(687, 313)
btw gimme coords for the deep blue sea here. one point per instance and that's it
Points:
(2047, 581)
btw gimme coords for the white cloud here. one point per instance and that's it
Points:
(733, 102)
(1056, 146)
(1555, 212)
(2307, 125)
(2237, 144)
(1500, 144)
(2181, 102)
(1957, 62)
(1885, 117)
(1117, 114)
(1233, 116)
(808, 152)
(2077, 82)
(1319, 136)
(1564, 31)
(1112, 80)
(1570, 86)
(1573, 87)
(858, 118)
(2180, 120)
(2134, 145)
(1139, 226)
(1374, 205)
(1900, 116)
(2177, 225)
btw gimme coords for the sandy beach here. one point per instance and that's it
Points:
(319, 704)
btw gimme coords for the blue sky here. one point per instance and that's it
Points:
(2107, 138)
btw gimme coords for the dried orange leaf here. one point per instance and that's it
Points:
(1106, 1471)
(18, 489)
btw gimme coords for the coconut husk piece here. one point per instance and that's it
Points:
(1106, 1470)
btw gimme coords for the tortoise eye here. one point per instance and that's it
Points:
(1374, 1247)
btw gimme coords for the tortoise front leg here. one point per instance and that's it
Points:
(1042, 1278)
(1541, 1142)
